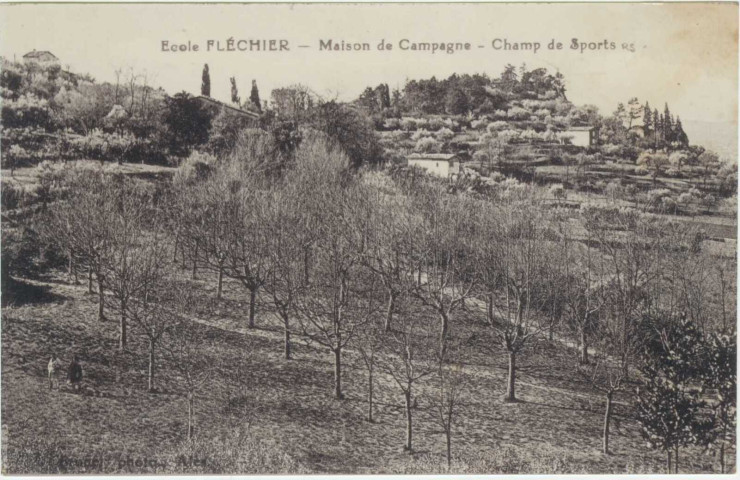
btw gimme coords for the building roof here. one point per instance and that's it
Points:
(219, 104)
(432, 156)
(39, 54)
(585, 128)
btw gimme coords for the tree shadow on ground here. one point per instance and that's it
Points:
(18, 293)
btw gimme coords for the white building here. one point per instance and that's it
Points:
(579, 136)
(41, 57)
(439, 164)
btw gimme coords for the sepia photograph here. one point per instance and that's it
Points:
(368, 239)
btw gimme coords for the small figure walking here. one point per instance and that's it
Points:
(53, 364)
(75, 373)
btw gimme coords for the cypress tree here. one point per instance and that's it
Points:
(667, 125)
(647, 118)
(679, 135)
(234, 92)
(254, 96)
(205, 86)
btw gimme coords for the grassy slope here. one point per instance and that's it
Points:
(290, 402)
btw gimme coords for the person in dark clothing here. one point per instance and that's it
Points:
(75, 373)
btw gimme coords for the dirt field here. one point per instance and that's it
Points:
(289, 404)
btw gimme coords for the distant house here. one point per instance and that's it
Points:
(580, 136)
(215, 106)
(42, 57)
(439, 164)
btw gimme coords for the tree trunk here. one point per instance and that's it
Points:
(338, 374)
(448, 434)
(445, 321)
(510, 391)
(408, 419)
(191, 426)
(607, 420)
(151, 365)
(389, 311)
(489, 308)
(675, 468)
(101, 301)
(195, 263)
(584, 347)
(306, 265)
(69, 265)
(668, 452)
(89, 279)
(220, 281)
(370, 394)
(722, 457)
(122, 327)
(252, 303)
(286, 345)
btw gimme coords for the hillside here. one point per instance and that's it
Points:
(285, 406)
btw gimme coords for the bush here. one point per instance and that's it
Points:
(444, 134)
(428, 145)
(12, 197)
(238, 453)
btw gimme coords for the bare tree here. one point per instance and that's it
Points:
(388, 249)
(154, 309)
(370, 344)
(524, 261)
(582, 294)
(412, 354)
(187, 352)
(341, 296)
(286, 278)
(448, 395)
(79, 223)
(127, 272)
(445, 275)
(606, 373)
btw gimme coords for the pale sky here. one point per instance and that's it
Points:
(685, 54)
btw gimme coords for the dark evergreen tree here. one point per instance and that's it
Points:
(205, 86)
(679, 135)
(720, 376)
(647, 119)
(234, 92)
(668, 405)
(187, 122)
(385, 96)
(254, 97)
(667, 126)
(456, 102)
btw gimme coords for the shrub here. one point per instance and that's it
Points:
(419, 134)
(558, 192)
(392, 124)
(12, 197)
(518, 113)
(444, 134)
(428, 145)
(196, 167)
(239, 452)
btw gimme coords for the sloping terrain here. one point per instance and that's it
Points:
(287, 405)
